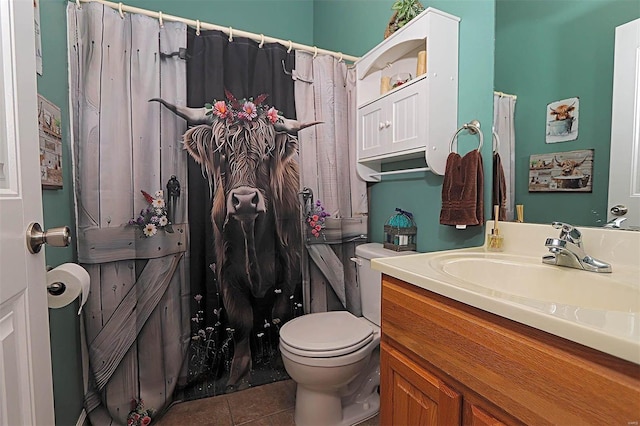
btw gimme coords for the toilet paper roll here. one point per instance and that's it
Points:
(75, 280)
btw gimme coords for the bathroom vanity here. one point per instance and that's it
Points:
(458, 348)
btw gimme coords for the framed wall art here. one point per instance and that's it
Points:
(570, 171)
(50, 135)
(562, 120)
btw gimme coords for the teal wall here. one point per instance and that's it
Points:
(350, 26)
(552, 50)
(58, 211)
(354, 27)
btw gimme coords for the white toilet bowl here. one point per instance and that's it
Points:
(334, 357)
(336, 367)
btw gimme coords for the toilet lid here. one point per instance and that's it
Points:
(326, 334)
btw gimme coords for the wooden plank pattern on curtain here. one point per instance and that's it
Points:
(323, 94)
(119, 151)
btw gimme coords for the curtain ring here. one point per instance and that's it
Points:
(160, 21)
(230, 34)
(340, 59)
(120, 10)
(315, 51)
(261, 41)
(290, 47)
(78, 4)
(197, 27)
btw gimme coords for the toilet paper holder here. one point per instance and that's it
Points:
(56, 289)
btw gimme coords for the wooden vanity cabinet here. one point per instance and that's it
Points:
(447, 363)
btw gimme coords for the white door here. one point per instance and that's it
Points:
(624, 165)
(26, 395)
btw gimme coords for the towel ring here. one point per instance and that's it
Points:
(474, 128)
(496, 141)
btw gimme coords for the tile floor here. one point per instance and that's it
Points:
(267, 405)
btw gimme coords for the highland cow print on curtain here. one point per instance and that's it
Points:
(244, 210)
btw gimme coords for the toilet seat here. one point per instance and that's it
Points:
(325, 334)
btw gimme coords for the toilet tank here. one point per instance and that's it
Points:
(369, 280)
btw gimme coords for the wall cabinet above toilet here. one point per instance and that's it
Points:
(415, 119)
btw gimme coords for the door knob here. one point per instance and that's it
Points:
(56, 237)
(619, 210)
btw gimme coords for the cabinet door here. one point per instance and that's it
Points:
(393, 125)
(410, 395)
(373, 128)
(406, 118)
(476, 416)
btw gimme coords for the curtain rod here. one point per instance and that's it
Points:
(232, 32)
(505, 95)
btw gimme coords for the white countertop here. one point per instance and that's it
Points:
(601, 311)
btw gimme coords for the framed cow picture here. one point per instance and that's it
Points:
(570, 171)
(562, 120)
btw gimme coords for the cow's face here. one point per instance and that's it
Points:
(563, 112)
(246, 160)
(245, 164)
(569, 167)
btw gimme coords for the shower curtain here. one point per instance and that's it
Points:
(136, 319)
(505, 144)
(325, 91)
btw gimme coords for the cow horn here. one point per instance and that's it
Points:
(292, 126)
(192, 115)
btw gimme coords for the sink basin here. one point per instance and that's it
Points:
(528, 278)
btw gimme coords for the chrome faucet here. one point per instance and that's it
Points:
(567, 250)
(615, 223)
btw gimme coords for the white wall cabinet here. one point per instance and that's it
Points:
(418, 118)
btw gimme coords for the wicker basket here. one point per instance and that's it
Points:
(391, 26)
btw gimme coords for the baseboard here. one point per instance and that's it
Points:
(82, 420)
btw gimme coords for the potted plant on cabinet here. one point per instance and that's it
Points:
(404, 11)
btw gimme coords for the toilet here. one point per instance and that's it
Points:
(334, 357)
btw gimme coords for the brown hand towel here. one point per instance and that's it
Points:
(462, 190)
(499, 187)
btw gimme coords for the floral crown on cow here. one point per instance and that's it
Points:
(234, 111)
(245, 110)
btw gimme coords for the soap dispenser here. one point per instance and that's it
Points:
(496, 241)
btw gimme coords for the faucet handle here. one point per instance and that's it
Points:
(568, 232)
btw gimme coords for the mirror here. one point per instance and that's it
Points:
(545, 52)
